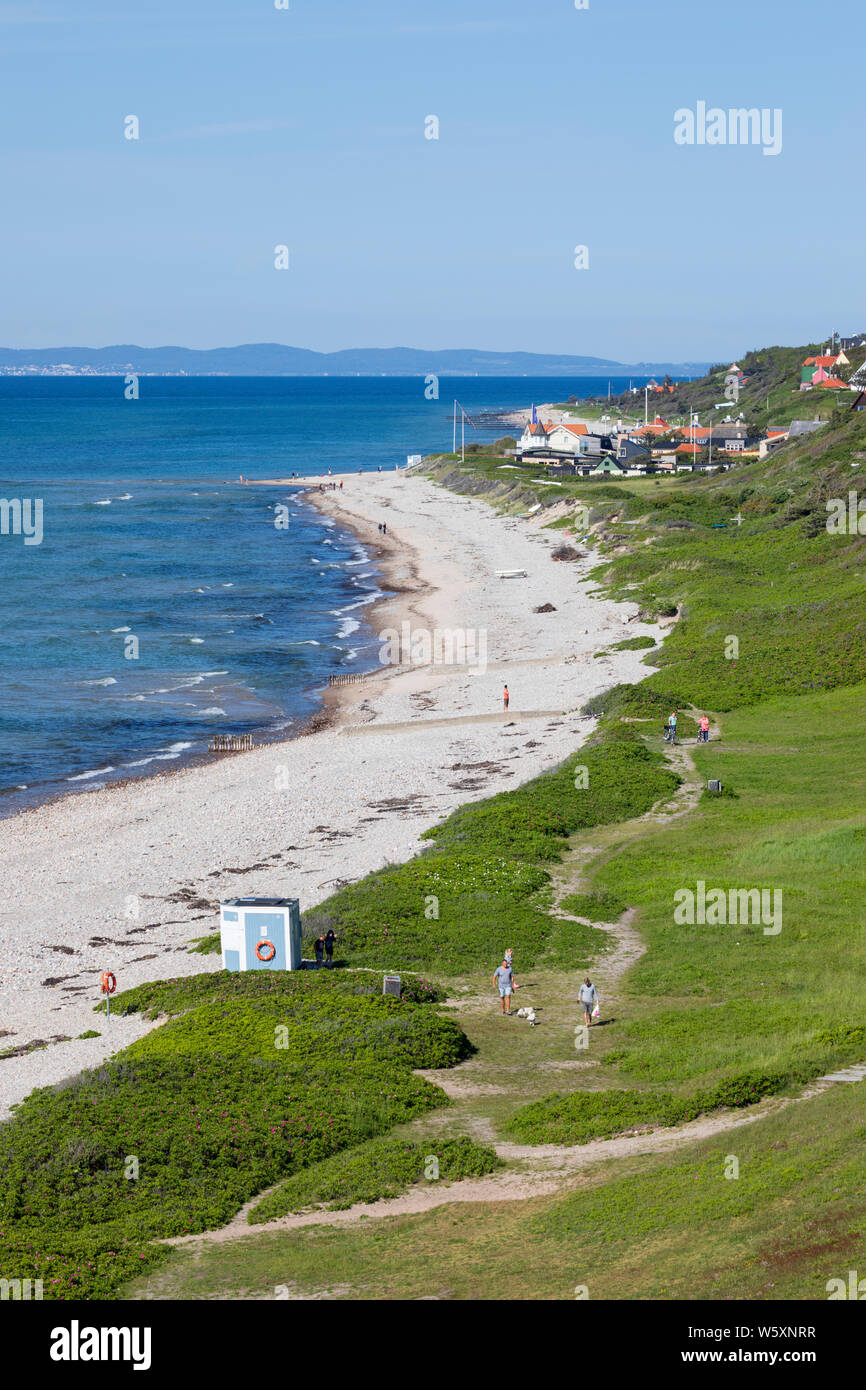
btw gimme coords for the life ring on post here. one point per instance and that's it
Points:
(270, 945)
(108, 984)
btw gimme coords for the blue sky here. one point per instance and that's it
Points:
(305, 127)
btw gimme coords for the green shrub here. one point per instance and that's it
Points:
(207, 945)
(582, 1116)
(634, 644)
(595, 907)
(381, 1168)
(312, 1027)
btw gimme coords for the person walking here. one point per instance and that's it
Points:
(588, 996)
(704, 730)
(509, 961)
(320, 951)
(503, 978)
(505, 698)
(330, 943)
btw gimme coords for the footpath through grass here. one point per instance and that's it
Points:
(772, 1211)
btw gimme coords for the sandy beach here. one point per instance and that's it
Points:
(123, 878)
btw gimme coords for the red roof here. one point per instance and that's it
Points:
(826, 361)
(835, 383)
(575, 429)
(771, 433)
(688, 449)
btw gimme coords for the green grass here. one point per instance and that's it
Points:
(666, 1226)
(381, 1168)
(634, 644)
(580, 1116)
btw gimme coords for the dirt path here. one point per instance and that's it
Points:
(554, 1168)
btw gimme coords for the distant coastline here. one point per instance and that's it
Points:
(278, 359)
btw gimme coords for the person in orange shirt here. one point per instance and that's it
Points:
(505, 698)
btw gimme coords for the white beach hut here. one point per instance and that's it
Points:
(260, 934)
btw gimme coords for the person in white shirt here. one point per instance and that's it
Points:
(588, 996)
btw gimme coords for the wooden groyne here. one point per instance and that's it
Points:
(348, 678)
(230, 743)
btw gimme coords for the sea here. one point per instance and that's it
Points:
(162, 604)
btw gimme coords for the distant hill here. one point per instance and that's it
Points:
(275, 359)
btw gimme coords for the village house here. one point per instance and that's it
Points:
(820, 370)
(629, 448)
(774, 439)
(560, 443)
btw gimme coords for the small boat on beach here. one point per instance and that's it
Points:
(511, 574)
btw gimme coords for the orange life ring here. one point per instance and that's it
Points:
(259, 950)
(108, 983)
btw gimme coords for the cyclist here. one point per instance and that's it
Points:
(671, 734)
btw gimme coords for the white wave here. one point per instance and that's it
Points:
(228, 586)
(198, 640)
(85, 776)
(213, 709)
(124, 497)
(349, 626)
(121, 629)
(106, 680)
(105, 502)
(175, 748)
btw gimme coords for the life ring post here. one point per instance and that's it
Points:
(107, 985)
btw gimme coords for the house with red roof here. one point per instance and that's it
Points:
(816, 370)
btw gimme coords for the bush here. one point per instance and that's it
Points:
(381, 1168)
(595, 907)
(634, 644)
(585, 1115)
(208, 1133)
(297, 1030)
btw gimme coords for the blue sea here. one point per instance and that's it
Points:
(163, 605)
